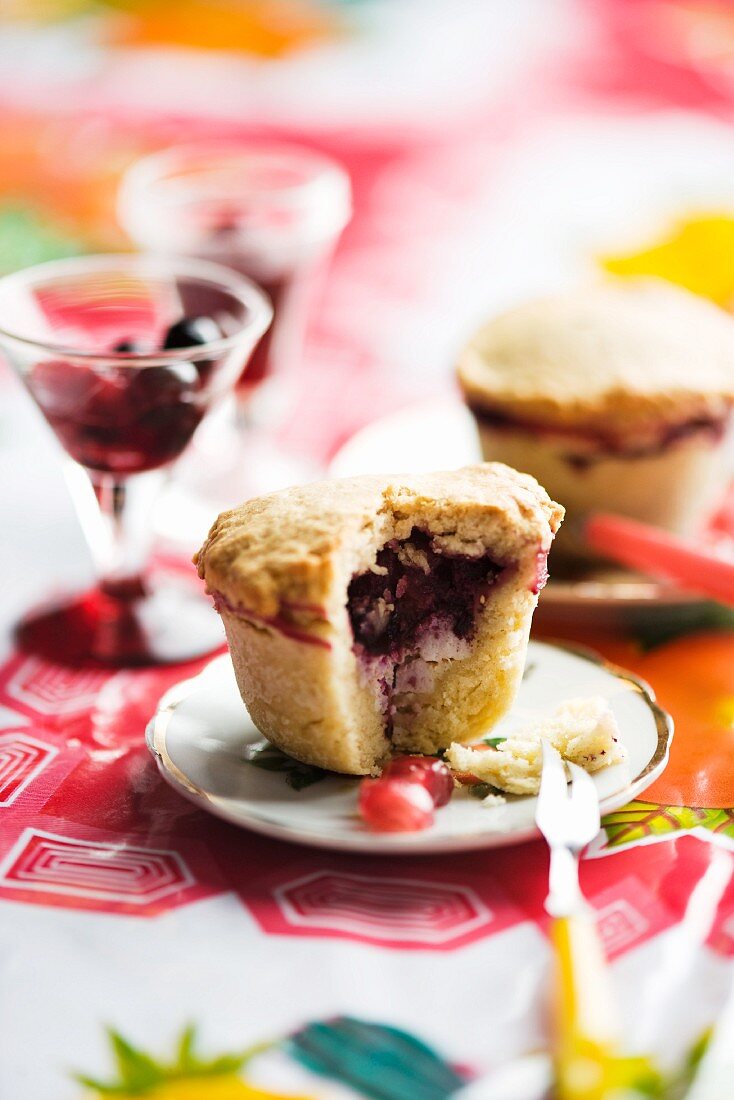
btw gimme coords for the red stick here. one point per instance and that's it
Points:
(651, 550)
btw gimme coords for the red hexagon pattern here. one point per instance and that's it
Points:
(621, 925)
(627, 914)
(389, 910)
(51, 690)
(98, 870)
(22, 758)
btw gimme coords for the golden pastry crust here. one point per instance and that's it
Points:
(280, 569)
(281, 555)
(615, 358)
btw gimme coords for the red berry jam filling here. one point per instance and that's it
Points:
(595, 446)
(290, 628)
(415, 608)
(541, 572)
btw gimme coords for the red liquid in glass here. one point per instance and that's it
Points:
(126, 418)
(121, 420)
(279, 346)
(287, 291)
(260, 365)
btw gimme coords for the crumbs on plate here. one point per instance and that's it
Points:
(583, 730)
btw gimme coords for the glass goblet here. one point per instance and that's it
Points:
(274, 213)
(125, 356)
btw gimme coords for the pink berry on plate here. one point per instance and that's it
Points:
(395, 805)
(433, 774)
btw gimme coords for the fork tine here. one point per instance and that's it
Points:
(584, 801)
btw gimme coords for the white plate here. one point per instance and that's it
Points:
(436, 435)
(201, 733)
(441, 435)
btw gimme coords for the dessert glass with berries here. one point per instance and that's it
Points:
(274, 213)
(125, 356)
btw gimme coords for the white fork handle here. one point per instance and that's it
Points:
(564, 893)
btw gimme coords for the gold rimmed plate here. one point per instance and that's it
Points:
(208, 749)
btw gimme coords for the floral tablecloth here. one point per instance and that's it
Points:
(128, 919)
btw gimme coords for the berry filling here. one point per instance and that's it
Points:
(285, 626)
(416, 608)
(541, 572)
(592, 446)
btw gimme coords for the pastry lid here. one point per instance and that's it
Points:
(613, 356)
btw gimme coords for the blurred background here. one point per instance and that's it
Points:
(494, 150)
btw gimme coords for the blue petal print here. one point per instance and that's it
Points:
(379, 1062)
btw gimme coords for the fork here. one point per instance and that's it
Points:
(587, 1031)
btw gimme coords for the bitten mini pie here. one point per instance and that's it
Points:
(618, 396)
(371, 614)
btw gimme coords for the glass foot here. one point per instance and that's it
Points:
(166, 621)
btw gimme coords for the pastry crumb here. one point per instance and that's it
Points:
(583, 730)
(493, 800)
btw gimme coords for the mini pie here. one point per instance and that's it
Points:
(372, 613)
(618, 395)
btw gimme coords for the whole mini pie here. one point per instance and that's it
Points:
(374, 614)
(617, 396)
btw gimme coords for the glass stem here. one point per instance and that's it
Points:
(116, 519)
